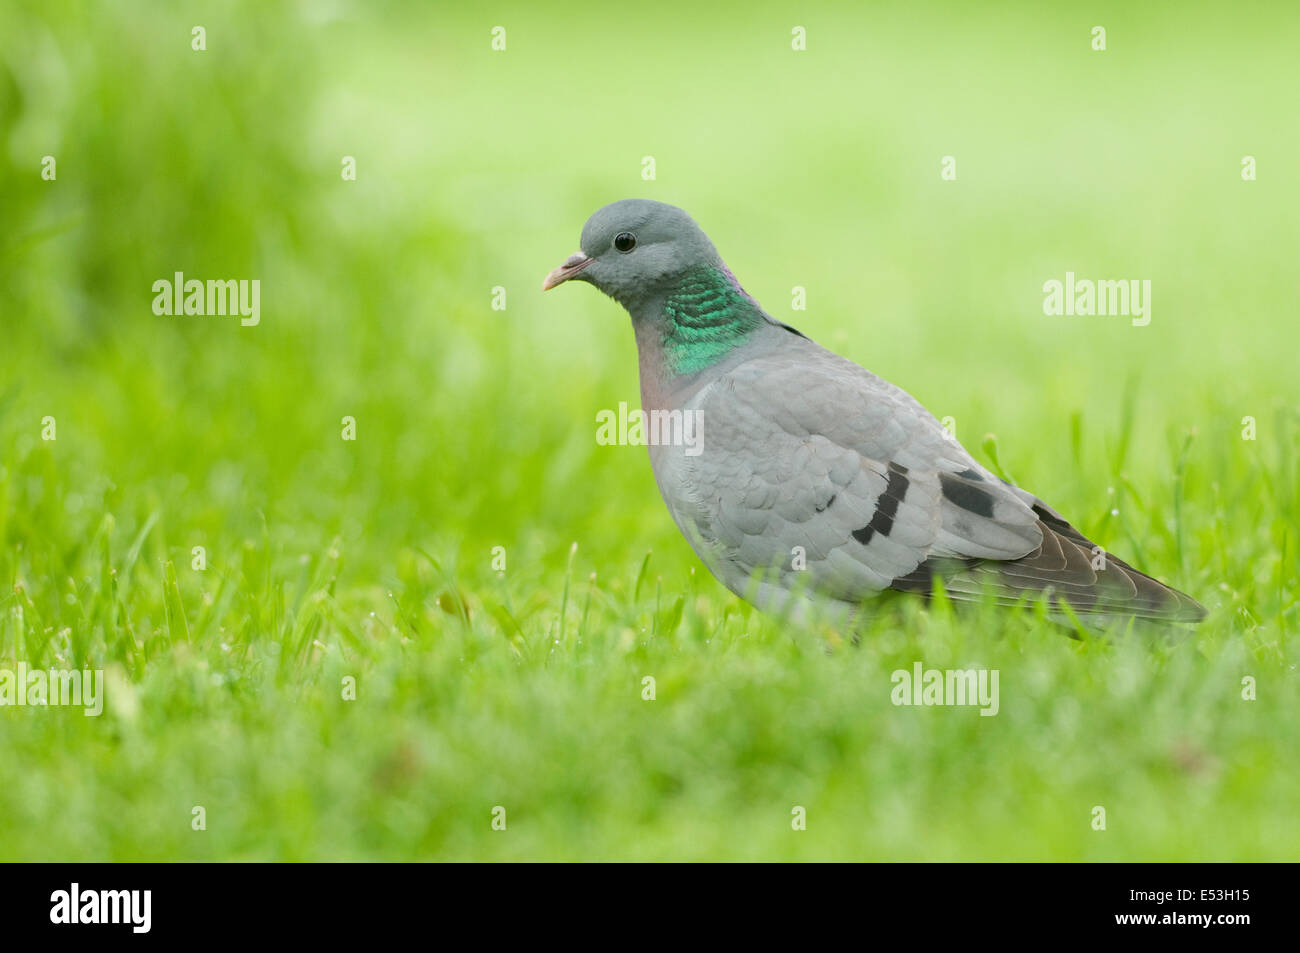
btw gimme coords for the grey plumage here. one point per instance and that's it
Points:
(816, 476)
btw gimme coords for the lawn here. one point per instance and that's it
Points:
(361, 581)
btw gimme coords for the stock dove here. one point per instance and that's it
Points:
(813, 478)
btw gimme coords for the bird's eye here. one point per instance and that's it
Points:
(625, 242)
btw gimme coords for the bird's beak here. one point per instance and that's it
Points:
(572, 265)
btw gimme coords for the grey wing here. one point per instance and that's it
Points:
(816, 461)
(814, 451)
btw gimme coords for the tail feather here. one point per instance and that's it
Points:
(1069, 567)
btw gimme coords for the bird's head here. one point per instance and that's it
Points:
(636, 250)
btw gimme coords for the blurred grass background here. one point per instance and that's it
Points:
(475, 427)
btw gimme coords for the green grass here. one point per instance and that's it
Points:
(373, 559)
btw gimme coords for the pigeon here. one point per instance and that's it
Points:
(813, 481)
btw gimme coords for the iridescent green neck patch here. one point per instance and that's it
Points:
(705, 319)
